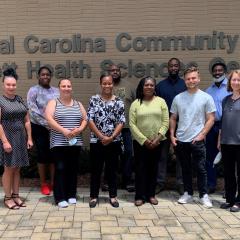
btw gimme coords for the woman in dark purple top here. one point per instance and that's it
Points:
(229, 138)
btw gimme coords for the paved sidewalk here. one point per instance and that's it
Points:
(168, 220)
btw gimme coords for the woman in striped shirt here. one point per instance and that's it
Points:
(67, 119)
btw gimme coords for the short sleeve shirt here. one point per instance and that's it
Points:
(191, 110)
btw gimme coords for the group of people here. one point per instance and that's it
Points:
(124, 122)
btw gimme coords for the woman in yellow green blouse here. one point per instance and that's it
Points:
(149, 121)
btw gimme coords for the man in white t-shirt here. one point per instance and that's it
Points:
(193, 110)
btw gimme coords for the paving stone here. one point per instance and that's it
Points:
(58, 225)
(56, 235)
(72, 233)
(136, 236)
(3, 227)
(146, 216)
(12, 218)
(126, 222)
(230, 220)
(131, 210)
(175, 229)
(166, 222)
(98, 211)
(41, 236)
(146, 223)
(114, 230)
(91, 226)
(81, 217)
(186, 236)
(186, 219)
(38, 229)
(217, 224)
(192, 227)
(55, 219)
(104, 218)
(233, 232)
(109, 223)
(217, 234)
(164, 213)
(91, 235)
(111, 237)
(115, 212)
(138, 230)
(17, 234)
(158, 231)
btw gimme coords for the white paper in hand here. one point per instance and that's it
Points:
(217, 159)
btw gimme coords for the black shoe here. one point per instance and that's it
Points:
(180, 189)
(159, 188)
(105, 187)
(237, 200)
(114, 203)
(235, 208)
(226, 205)
(211, 190)
(130, 188)
(93, 203)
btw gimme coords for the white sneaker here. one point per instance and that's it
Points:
(72, 200)
(206, 202)
(185, 198)
(63, 204)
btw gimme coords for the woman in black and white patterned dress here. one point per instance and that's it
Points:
(106, 119)
(15, 134)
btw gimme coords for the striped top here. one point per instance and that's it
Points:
(68, 117)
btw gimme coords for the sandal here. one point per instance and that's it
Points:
(19, 202)
(13, 207)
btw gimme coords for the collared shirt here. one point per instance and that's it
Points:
(168, 89)
(218, 94)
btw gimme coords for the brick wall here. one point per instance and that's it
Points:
(58, 19)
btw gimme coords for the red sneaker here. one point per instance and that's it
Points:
(45, 189)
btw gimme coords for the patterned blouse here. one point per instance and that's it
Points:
(106, 115)
(37, 99)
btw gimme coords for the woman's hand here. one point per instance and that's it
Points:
(156, 141)
(148, 144)
(7, 147)
(67, 133)
(75, 132)
(29, 143)
(105, 140)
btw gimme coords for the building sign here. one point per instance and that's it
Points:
(124, 43)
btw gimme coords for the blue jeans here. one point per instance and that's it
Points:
(196, 153)
(211, 151)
